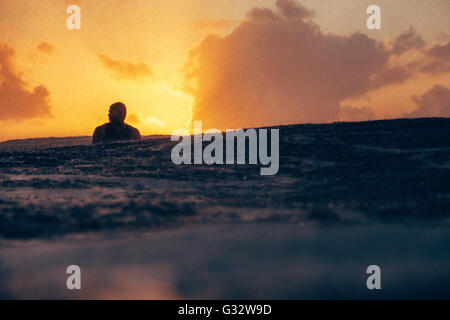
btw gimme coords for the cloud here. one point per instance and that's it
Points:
(133, 118)
(437, 59)
(434, 103)
(46, 47)
(286, 9)
(350, 113)
(406, 41)
(139, 119)
(390, 75)
(277, 67)
(155, 121)
(292, 10)
(441, 51)
(435, 67)
(262, 14)
(17, 101)
(124, 70)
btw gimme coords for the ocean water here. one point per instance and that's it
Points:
(347, 195)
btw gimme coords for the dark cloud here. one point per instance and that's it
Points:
(435, 67)
(440, 51)
(287, 9)
(390, 75)
(290, 9)
(437, 60)
(17, 101)
(46, 47)
(278, 68)
(262, 14)
(124, 70)
(434, 103)
(406, 41)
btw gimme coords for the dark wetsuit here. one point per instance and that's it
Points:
(110, 133)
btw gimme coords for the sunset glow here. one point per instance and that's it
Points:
(175, 61)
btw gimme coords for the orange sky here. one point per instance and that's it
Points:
(60, 82)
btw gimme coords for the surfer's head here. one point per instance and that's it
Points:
(117, 113)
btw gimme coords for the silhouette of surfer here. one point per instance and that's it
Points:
(116, 129)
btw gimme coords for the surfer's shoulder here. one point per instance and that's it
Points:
(101, 128)
(99, 134)
(134, 132)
